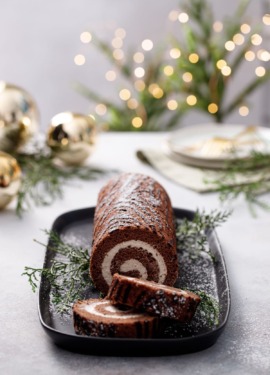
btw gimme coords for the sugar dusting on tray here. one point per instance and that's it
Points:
(196, 273)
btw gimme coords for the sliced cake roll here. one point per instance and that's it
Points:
(99, 318)
(134, 232)
(156, 299)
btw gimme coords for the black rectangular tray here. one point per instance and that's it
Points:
(202, 273)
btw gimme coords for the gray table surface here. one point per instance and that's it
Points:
(243, 347)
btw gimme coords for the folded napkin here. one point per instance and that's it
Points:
(198, 179)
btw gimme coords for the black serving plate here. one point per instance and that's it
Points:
(200, 274)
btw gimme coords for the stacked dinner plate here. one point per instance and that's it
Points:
(214, 145)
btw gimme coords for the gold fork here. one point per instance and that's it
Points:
(218, 146)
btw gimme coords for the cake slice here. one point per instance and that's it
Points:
(99, 318)
(156, 299)
(134, 232)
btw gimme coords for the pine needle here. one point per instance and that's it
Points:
(43, 181)
(68, 274)
(258, 166)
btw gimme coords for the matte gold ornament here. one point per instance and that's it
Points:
(19, 117)
(10, 178)
(71, 137)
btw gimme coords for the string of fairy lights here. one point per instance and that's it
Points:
(257, 54)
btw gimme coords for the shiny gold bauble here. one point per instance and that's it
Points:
(71, 137)
(19, 117)
(10, 178)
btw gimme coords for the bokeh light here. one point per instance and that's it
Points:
(139, 72)
(238, 39)
(101, 109)
(217, 26)
(245, 28)
(175, 53)
(120, 33)
(172, 105)
(243, 111)
(266, 19)
(85, 37)
(229, 45)
(256, 39)
(125, 94)
(117, 42)
(79, 59)
(212, 108)
(193, 58)
(226, 71)
(110, 75)
(137, 122)
(168, 70)
(118, 54)
(139, 85)
(147, 44)
(187, 77)
(260, 71)
(250, 55)
(138, 57)
(221, 63)
(183, 17)
(132, 103)
(191, 100)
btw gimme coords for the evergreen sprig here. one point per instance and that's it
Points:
(230, 185)
(208, 308)
(43, 181)
(68, 274)
(192, 234)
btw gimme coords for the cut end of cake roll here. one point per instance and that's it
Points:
(99, 318)
(156, 299)
(134, 232)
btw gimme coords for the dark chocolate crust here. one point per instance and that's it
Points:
(134, 207)
(120, 323)
(155, 299)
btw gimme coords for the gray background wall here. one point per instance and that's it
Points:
(39, 39)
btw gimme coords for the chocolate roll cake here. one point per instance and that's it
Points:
(134, 232)
(99, 318)
(156, 299)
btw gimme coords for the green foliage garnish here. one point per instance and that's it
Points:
(230, 187)
(192, 234)
(208, 307)
(43, 181)
(68, 274)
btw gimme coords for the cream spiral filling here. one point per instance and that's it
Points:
(133, 264)
(109, 311)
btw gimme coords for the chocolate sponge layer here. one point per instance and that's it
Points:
(155, 299)
(134, 232)
(99, 318)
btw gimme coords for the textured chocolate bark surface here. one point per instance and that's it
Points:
(134, 232)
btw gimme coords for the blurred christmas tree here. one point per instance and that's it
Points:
(211, 53)
(195, 72)
(145, 94)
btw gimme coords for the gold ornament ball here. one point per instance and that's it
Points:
(10, 178)
(19, 117)
(71, 137)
